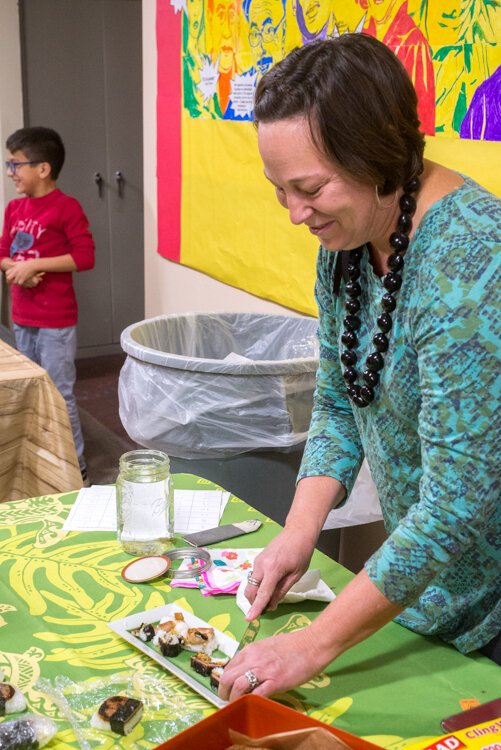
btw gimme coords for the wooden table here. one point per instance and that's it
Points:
(37, 452)
(59, 592)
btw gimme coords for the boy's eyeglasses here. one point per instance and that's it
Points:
(12, 166)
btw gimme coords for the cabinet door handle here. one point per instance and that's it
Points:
(119, 179)
(98, 179)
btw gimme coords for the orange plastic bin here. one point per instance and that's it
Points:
(256, 717)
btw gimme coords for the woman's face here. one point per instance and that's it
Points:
(341, 212)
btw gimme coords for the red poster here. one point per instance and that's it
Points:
(169, 40)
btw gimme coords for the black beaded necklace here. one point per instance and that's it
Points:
(363, 395)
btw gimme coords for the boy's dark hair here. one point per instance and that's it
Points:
(360, 104)
(39, 144)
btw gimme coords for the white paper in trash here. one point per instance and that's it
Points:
(236, 359)
(362, 506)
(309, 586)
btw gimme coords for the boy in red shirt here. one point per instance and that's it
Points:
(45, 239)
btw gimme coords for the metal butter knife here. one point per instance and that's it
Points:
(250, 633)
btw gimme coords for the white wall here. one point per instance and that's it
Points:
(11, 103)
(11, 118)
(170, 287)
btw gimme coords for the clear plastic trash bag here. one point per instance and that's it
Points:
(362, 506)
(218, 385)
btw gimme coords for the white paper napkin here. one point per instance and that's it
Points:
(310, 586)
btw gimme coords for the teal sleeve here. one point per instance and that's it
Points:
(454, 325)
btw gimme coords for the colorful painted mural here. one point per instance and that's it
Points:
(228, 44)
(228, 225)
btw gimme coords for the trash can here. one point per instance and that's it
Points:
(227, 396)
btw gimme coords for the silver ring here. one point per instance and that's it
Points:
(252, 680)
(253, 581)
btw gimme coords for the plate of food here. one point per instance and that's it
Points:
(182, 643)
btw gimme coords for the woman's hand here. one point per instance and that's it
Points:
(278, 663)
(287, 557)
(277, 569)
(291, 659)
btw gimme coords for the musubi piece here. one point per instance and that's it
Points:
(170, 644)
(11, 699)
(215, 677)
(204, 664)
(145, 632)
(29, 733)
(118, 714)
(200, 639)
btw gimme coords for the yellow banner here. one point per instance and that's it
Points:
(232, 227)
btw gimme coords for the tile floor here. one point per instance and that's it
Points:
(96, 390)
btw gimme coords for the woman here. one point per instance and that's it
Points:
(409, 328)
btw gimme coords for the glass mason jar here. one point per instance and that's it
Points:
(145, 503)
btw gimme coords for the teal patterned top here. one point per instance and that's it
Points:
(432, 435)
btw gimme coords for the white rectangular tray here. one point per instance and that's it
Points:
(123, 627)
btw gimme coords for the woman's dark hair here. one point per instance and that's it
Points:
(360, 104)
(39, 144)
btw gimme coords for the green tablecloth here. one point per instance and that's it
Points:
(58, 592)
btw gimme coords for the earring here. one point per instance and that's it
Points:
(382, 205)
